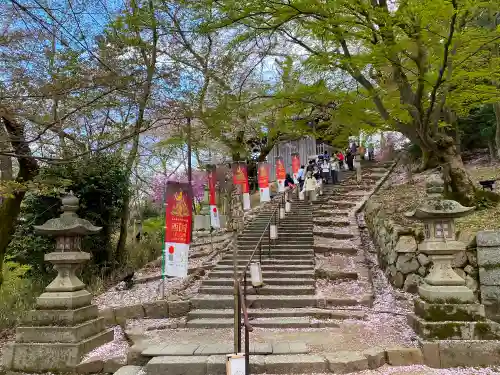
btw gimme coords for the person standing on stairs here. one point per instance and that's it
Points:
(349, 157)
(340, 157)
(289, 182)
(325, 170)
(335, 165)
(300, 176)
(310, 186)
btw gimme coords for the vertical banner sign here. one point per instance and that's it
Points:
(178, 228)
(263, 176)
(214, 213)
(240, 177)
(295, 165)
(280, 173)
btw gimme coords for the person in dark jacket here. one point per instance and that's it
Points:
(349, 158)
(289, 181)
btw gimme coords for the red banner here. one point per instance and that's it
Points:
(240, 176)
(179, 213)
(263, 175)
(211, 185)
(295, 163)
(280, 168)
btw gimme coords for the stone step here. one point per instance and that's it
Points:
(293, 290)
(296, 235)
(273, 313)
(275, 267)
(306, 256)
(268, 302)
(326, 213)
(336, 249)
(259, 364)
(265, 274)
(268, 281)
(336, 205)
(281, 250)
(270, 262)
(221, 349)
(328, 222)
(297, 228)
(278, 244)
(334, 234)
(280, 322)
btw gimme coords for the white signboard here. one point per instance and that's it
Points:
(176, 259)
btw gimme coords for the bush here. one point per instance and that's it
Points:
(101, 184)
(17, 293)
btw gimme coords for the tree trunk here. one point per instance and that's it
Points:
(28, 169)
(496, 108)
(6, 173)
(454, 173)
(491, 148)
(429, 160)
(150, 65)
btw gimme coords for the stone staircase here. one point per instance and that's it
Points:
(339, 256)
(287, 299)
(288, 302)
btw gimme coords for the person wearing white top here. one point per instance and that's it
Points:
(310, 186)
(325, 171)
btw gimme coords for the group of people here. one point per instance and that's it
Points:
(326, 168)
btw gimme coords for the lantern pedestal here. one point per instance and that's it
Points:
(64, 325)
(446, 310)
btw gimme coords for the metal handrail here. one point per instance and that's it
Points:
(277, 206)
(242, 291)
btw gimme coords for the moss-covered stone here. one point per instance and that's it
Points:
(433, 312)
(483, 331)
(441, 330)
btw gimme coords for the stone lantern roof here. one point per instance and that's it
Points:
(68, 224)
(437, 207)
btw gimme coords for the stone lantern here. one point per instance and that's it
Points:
(438, 216)
(64, 325)
(446, 310)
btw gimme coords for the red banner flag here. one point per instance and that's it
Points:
(240, 177)
(179, 216)
(280, 173)
(263, 178)
(214, 213)
(240, 173)
(280, 168)
(295, 163)
(211, 185)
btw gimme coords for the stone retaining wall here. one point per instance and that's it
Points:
(400, 259)
(488, 258)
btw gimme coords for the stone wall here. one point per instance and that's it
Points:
(400, 259)
(488, 259)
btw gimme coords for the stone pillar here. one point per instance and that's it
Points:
(488, 260)
(64, 325)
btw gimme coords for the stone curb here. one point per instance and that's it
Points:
(341, 362)
(153, 310)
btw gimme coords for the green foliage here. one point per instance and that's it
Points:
(17, 293)
(477, 128)
(101, 185)
(154, 228)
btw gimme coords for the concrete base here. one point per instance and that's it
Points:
(449, 293)
(58, 357)
(461, 353)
